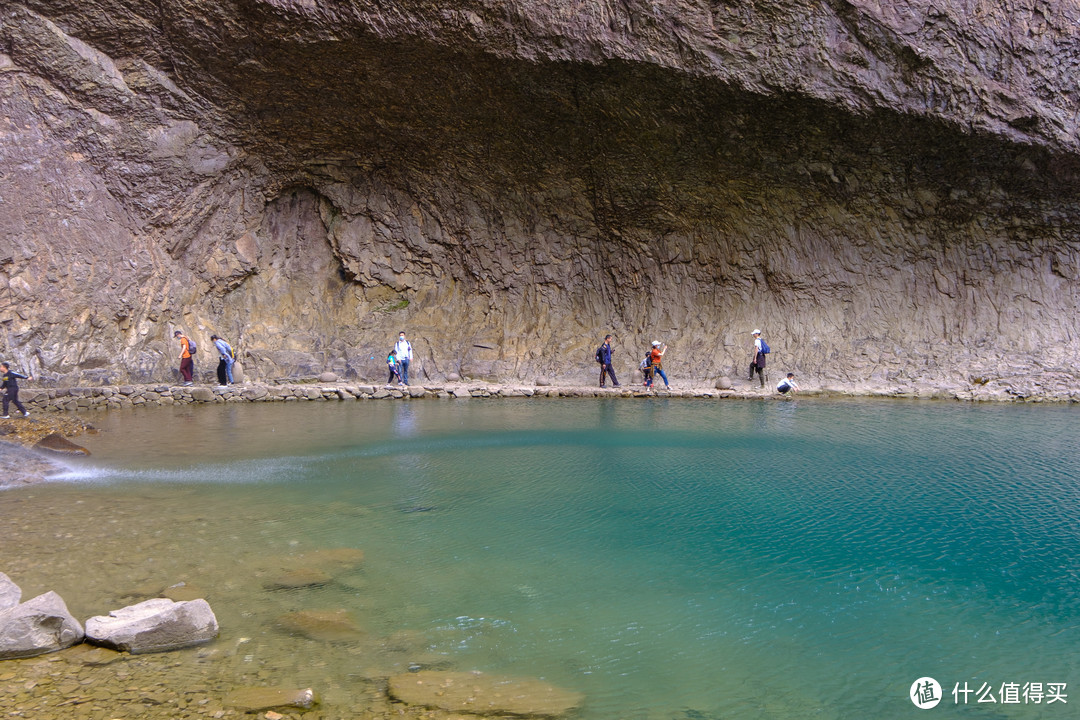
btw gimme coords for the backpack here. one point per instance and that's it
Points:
(765, 347)
(192, 347)
(600, 354)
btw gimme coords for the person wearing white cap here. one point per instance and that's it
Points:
(657, 357)
(758, 363)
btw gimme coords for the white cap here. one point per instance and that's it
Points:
(656, 343)
(756, 332)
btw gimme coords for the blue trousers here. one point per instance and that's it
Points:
(403, 369)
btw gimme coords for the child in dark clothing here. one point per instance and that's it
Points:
(392, 365)
(9, 383)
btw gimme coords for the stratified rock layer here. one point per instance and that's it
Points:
(887, 189)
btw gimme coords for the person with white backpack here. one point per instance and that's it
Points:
(403, 352)
(761, 349)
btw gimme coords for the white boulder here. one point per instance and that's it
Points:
(37, 626)
(154, 626)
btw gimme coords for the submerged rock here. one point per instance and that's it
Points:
(481, 694)
(322, 625)
(257, 699)
(92, 655)
(37, 626)
(154, 625)
(299, 578)
(183, 592)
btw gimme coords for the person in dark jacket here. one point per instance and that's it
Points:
(9, 383)
(605, 363)
(758, 363)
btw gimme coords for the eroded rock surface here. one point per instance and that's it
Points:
(887, 189)
(40, 625)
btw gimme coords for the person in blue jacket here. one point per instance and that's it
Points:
(603, 356)
(9, 383)
(226, 358)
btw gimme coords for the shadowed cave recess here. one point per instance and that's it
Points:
(889, 193)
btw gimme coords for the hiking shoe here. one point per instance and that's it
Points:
(5, 417)
(26, 414)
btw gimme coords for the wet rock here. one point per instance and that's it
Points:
(482, 694)
(56, 443)
(322, 625)
(37, 626)
(154, 625)
(202, 394)
(257, 699)
(10, 593)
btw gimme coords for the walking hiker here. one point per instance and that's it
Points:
(9, 383)
(656, 355)
(403, 352)
(603, 357)
(392, 365)
(226, 359)
(761, 349)
(187, 363)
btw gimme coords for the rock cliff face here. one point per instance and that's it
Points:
(889, 190)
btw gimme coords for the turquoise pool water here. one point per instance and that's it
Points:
(668, 558)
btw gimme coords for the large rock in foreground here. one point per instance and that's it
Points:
(154, 626)
(37, 626)
(481, 694)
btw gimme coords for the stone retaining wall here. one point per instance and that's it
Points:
(124, 396)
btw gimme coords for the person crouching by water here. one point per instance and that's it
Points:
(187, 365)
(656, 355)
(9, 383)
(603, 356)
(787, 385)
(225, 361)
